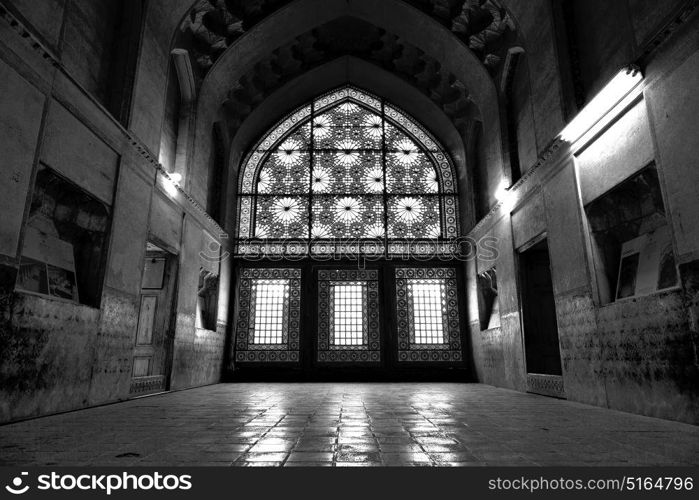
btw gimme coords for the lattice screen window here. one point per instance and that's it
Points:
(349, 322)
(349, 319)
(268, 315)
(428, 305)
(349, 166)
(271, 303)
(427, 314)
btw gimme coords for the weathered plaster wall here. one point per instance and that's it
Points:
(46, 17)
(605, 37)
(638, 354)
(623, 150)
(522, 114)
(648, 357)
(635, 355)
(535, 24)
(198, 353)
(76, 152)
(87, 46)
(21, 105)
(82, 33)
(610, 35)
(57, 355)
(673, 104)
(47, 349)
(171, 119)
(150, 88)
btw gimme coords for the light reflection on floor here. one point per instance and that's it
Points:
(343, 424)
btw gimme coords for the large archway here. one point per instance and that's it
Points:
(395, 17)
(347, 240)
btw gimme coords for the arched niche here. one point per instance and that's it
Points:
(352, 70)
(301, 16)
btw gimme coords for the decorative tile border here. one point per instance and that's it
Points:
(142, 385)
(546, 385)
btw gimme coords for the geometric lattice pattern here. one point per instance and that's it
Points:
(347, 166)
(349, 320)
(427, 313)
(270, 307)
(428, 307)
(268, 324)
(348, 316)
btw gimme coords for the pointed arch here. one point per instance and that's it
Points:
(348, 165)
(394, 16)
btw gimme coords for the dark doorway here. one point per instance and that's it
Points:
(543, 354)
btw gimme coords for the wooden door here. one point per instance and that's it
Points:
(153, 345)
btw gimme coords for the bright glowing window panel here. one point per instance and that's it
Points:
(349, 313)
(282, 216)
(271, 303)
(427, 298)
(349, 166)
(414, 217)
(347, 216)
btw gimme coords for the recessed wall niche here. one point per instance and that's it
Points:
(207, 300)
(488, 302)
(64, 249)
(631, 239)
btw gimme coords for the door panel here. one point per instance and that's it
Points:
(153, 342)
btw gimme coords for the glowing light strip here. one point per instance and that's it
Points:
(617, 94)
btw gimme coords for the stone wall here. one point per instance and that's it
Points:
(637, 354)
(55, 75)
(58, 355)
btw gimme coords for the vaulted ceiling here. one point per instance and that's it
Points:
(451, 51)
(350, 36)
(211, 26)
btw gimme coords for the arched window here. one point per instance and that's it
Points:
(347, 172)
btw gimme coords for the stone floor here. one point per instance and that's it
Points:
(348, 425)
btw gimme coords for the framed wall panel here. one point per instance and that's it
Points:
(146, 319)
(153, 273)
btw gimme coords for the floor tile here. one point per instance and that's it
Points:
(394, 458)
(350, 456)
(310, 456)
(263, 457)
(346, 424)
(308, 464)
